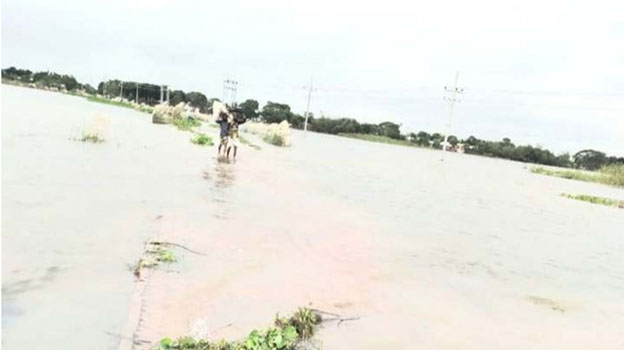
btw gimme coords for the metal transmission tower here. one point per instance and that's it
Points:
(230, 87)
(451, 98)
(310, 88)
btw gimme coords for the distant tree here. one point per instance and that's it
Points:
(422, 139)
(176, 96)
(471, 141)
(453, 140)
(197, 99)
(250, 109)
(273, 112)
(13, 73)
(390, 130)
(589, 159)
(89, 89)
(564, 160)
(297, 121)
(372, 129)
(436, 140)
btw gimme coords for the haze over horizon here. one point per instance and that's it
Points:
(549, 74)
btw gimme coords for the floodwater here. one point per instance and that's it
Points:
(464, 253)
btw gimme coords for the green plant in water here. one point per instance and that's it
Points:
(165, 255)
(274, 140)
(202, 139)
(284, 336)
(93, 138)
(612, 175)
(596, 200)
(186, 124)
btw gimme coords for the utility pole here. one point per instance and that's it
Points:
(136, 98)
(451, 98)
(161, 94)
(121, 92)
(310, 88)
(167, 87)
(230, 87)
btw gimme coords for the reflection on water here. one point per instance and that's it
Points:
(221, 176)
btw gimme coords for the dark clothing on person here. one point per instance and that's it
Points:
(224, 128)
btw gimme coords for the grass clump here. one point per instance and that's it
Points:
(165, 255)
(186, 124)
(286, 334)
(275, 139)
(202, 140)
(153, 255)
(612, 175)
(596, 200)
(378, 138)
(91, 137)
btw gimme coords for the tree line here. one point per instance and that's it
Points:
(273, 112)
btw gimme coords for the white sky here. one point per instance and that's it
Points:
(547, 73)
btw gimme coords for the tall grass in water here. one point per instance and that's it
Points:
(202, 140)
(612, 175)
(93, 138)
(596, 200)
(186, 124)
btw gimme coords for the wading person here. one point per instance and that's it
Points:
(233, 141)
(224, 126)
(222, 117)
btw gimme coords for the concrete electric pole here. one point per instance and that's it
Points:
(451, 98)
(310, 88)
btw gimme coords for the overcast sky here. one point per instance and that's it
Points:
(547, 73)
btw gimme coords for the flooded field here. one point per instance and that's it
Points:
(465, 253)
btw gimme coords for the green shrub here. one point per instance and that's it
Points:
(186, 124)
(202, 139)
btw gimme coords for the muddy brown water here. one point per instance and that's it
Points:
(465, 253)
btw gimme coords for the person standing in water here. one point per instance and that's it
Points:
(233, 141)
(222, 117)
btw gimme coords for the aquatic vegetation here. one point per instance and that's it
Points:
(91, 137)
(202, 140)
(596, 200)
(154, 253)
(612, 175)
(165, 255)
(186, 124)
(274, 140)
(286, 334)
